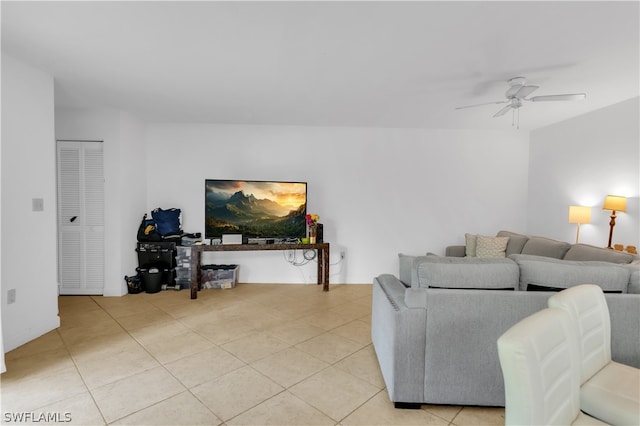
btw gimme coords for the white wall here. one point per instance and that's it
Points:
(3, 367)
(29, 239)
(132, 198)
(579, 162)
(378, 191)
(125, 184)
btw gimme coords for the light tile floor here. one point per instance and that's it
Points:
(253, 355)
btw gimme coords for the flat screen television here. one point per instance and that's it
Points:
(255, 209)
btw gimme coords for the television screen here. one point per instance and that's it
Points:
(255, 209)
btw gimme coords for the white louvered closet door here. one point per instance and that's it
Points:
(80, 217)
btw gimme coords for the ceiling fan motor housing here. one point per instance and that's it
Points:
(515, 84)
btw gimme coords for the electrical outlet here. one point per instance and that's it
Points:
(11, 296)
(37, 204)
(341, 255)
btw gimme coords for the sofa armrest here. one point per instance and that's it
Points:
(393, 288)
(455, 251)
(398, 333)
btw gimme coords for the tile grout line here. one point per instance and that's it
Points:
(259, 300)
(284, 388)
(161, 364)
(106, 311)
(75, 364)
(247, 364)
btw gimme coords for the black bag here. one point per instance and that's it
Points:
(167, 221)
(134, 284)
(147, 230)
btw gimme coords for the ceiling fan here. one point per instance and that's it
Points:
(517, 93)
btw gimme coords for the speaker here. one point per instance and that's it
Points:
(319, 233)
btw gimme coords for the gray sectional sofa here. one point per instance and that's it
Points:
(435, 326)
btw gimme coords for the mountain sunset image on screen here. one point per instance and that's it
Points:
(255, 209)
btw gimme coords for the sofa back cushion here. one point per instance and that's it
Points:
(516, 241)
(539, 246)
(405, 264)
(634, 280)
(467, 272)
(553, 274)
(588, 252)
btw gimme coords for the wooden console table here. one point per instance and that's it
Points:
(321, 248)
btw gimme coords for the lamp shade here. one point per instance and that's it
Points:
(579, 214)
(615, 203)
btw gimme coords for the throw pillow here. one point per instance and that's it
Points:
(470, 247)
(491, 246)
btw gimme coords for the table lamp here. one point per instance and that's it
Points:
(615, 203)
(579, 215)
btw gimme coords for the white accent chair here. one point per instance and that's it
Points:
(609, 391)
(540, 362)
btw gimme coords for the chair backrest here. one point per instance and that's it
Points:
(539, 357)
(588, 309)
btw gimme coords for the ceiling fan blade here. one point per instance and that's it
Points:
(503, 111)
(569, 97)
(526, 91)
(486, 103)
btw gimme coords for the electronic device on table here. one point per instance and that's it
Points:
(257, 212)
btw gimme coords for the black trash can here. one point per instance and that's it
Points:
(152, 278)
(135, 284)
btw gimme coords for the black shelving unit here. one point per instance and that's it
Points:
(160, 254)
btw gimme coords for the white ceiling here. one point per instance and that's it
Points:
(378, 64)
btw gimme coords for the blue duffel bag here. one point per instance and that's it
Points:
(167, 221)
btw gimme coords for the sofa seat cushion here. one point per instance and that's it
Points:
(553, 274)
(465, 273)
(589, 252)
(539, 246)
(613, 395)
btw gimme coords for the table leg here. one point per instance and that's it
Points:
(195, 267)
(320, 266)
(325, 266)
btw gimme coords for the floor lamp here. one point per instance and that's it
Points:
(579, 215)
(615, 203)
